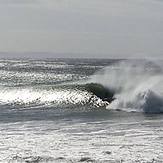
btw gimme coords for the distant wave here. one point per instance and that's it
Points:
(137, 86)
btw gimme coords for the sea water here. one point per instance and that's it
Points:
(57, 110)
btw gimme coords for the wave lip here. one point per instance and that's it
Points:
(100, 91)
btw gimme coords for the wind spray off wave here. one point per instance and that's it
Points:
(137, 85)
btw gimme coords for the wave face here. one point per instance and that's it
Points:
(137, 85)
(61, 96)
(59, 83)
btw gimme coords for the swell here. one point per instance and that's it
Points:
(90, 94)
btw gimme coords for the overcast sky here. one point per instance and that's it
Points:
(81, 28)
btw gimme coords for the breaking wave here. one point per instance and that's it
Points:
(127, 85)
(137, 86)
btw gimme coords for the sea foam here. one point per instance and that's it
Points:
(137, 85)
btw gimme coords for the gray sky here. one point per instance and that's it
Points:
(81, 28)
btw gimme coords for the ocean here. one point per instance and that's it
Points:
(81, 110)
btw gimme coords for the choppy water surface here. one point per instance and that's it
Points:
(71, 110)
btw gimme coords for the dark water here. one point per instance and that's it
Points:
(51, 112)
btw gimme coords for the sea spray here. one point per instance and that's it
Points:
(137, 85)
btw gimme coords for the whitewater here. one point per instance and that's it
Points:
(81, 110)
(137, 85)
